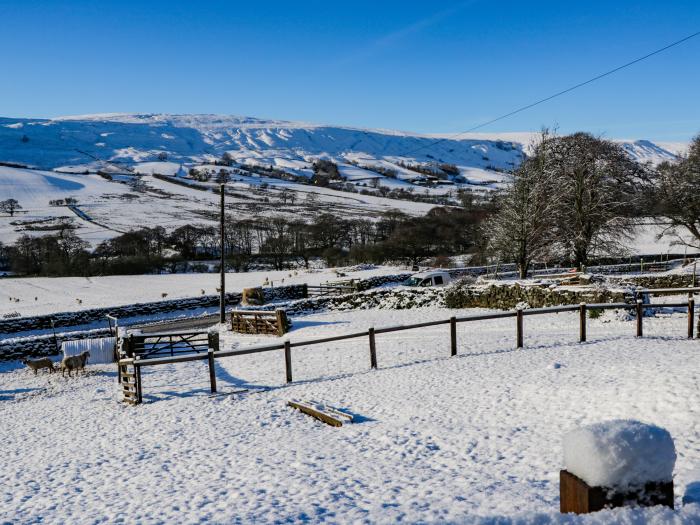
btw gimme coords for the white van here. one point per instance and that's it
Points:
(429, 278)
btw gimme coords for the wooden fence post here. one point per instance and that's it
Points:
(282, 323)
(305, 292)
(640, 316)
(691, 315)
(288, 360)
(519, 326)
(212, 371)
(213, 340)
(453, 336)
(139, 392)
(372, 349)
(582, 323)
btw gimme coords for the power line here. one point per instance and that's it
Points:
(559, 93)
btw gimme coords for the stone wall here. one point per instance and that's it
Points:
(380, 280)
(376, 299)
(506, 297)
(657, 281)
(42, 346)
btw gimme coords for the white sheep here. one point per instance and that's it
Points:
(74, 362)
(38, 364)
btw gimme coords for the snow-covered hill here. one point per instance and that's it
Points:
(90, 141)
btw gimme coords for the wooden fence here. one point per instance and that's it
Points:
(334, 288)
(519, 314)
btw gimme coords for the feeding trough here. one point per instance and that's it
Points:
(614, 464)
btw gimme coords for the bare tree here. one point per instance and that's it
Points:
(10, 206)
(522, 229)
(599, 186)
(311, 199)
(678, 195)
(284, 195)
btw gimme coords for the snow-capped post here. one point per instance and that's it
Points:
(691, 315)
(582, 322)
(212, 372)
(519, 326)
(288, 360)
(222, 271)
(616, 463)
(372, 348)
(453, 336)
(640, 316)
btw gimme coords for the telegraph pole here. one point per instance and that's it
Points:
(222, 285)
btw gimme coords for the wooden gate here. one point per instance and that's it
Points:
(260, 322)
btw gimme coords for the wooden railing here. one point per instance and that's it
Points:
(328, 289)
(519, 314)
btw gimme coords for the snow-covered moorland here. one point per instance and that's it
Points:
(474, 438)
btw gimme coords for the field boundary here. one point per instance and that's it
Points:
(519, 314)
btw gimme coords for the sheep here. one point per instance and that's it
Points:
(37, 364)
(74, 362)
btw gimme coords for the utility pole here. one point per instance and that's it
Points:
(222, 286)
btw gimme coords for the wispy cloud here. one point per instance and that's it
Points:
(376, 46)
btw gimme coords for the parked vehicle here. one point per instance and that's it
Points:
(429, 278)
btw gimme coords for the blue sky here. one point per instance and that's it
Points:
(419, 66)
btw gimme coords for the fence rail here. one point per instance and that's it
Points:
(639, 306)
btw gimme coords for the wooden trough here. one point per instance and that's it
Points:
(329, 415)
(260, 322)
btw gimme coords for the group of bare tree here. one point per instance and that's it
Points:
(573, 198)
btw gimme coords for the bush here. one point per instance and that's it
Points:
(595, 313)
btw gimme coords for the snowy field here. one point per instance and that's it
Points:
(110, 208)
(61, 294)
(470, 439)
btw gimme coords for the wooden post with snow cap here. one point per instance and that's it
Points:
(640, 474)
(288, 360)
(640, 316)
(519, 327)
(453, 336)
(691, 316)
(372, 348)
(582, 322)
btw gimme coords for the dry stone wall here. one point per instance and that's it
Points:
(506, 297)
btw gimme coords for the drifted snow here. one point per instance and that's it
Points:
(621, 453)
(474, 439)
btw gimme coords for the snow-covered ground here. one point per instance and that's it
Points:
(474, 438)
(61, 294)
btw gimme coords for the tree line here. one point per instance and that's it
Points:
(271, 241)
